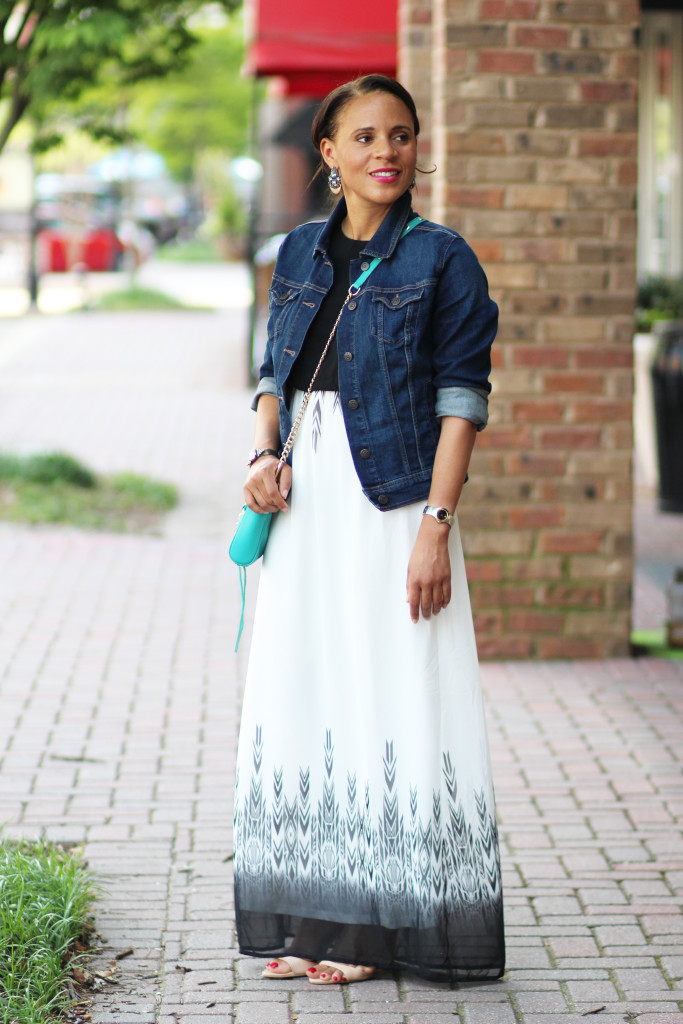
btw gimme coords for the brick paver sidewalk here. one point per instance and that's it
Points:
(119, 695)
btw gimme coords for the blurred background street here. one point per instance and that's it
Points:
(216, 285)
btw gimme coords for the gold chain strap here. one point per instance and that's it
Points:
(300, 415)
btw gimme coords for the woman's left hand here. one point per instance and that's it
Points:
(428, 587)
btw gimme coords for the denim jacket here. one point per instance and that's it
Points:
(414, 345)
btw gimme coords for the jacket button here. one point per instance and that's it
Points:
(354, 403)
(365, 453)
(395, 301)
(364, 266)
(348, 356)
(352, 305)
(382, 500)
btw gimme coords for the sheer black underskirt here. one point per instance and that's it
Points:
(444, 953)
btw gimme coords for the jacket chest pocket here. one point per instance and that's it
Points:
(394, 315)
(283, 304)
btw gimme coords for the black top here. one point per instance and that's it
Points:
(342, 251)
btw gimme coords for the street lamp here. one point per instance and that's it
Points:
(246, 174)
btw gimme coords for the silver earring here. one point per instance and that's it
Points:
(334, 181)
(414, 181)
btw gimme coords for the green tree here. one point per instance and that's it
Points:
(203, 107)
(53, 50)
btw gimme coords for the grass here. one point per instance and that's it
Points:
(653, 642)
(56, 488)
(193, 250)
(136, 299)
(45, 898)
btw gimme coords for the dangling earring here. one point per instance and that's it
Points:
(334, 181)
(414, 181)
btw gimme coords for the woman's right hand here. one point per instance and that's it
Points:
(262, 493)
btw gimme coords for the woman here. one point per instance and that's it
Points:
(365, 830)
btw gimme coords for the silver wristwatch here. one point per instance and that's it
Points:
(256, 453)
(442, 515)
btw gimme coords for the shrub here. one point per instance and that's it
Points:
(46, 469)
(659, 298)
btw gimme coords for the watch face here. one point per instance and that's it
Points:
(441, 514)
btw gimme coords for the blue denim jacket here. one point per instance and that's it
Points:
(414, 345)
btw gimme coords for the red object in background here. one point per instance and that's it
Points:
(99, 249)
(317, 46)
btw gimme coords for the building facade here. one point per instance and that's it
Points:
(532, 110)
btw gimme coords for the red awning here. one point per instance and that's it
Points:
(315, 45)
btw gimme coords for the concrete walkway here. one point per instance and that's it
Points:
(119, 696)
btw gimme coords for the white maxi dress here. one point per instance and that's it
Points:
(365, 827)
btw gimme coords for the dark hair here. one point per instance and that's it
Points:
(326, 121)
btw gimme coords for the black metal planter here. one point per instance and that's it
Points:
(667, 387)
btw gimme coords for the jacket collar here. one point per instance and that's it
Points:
(384, 240)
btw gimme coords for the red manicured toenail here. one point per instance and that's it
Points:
(323, 975)
(273, 963)
(343, 979)
(312, 970)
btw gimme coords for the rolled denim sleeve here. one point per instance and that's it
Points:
(266, 386)
(468, 403)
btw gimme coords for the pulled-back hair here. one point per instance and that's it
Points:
(326, 121)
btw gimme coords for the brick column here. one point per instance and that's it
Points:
(534, 125)
(415, 37)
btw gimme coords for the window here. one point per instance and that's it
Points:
(660, 191)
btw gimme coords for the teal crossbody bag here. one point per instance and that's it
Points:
(250, 537)
(251, 533)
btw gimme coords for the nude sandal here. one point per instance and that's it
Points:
(348, 972)
(298, 968)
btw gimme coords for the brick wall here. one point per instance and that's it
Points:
(533, 126)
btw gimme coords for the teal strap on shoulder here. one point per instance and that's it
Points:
(360, 281)
(243, 589)
(411, 224)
